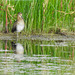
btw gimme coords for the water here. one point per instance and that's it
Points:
(37, 57)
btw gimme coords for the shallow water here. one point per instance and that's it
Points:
(37, 57)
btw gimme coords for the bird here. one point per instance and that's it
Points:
(18, 25)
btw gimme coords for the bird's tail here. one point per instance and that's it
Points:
(13, 30)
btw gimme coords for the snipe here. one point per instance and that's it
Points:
(18, 25)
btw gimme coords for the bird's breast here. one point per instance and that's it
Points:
(20, 26)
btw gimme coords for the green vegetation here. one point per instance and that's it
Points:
(40, 15)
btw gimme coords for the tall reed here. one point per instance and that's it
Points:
(40, 15)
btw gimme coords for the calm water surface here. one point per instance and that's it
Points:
(28, 57)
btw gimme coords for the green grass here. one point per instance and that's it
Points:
(40, 15)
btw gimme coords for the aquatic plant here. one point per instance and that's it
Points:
(39, 15)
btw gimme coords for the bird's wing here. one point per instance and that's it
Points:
(14, 26)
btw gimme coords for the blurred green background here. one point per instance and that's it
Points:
(44, 16)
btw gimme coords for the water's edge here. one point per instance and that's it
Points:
(46, 37)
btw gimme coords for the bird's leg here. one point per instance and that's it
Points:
(17, 34)
(17, 37)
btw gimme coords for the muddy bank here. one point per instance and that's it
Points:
(46, 37)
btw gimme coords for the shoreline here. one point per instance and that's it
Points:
(41, 37)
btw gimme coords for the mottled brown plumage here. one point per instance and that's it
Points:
(18, 25)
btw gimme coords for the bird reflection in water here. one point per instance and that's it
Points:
(18, 51)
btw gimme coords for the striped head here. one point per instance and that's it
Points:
(19, 16)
